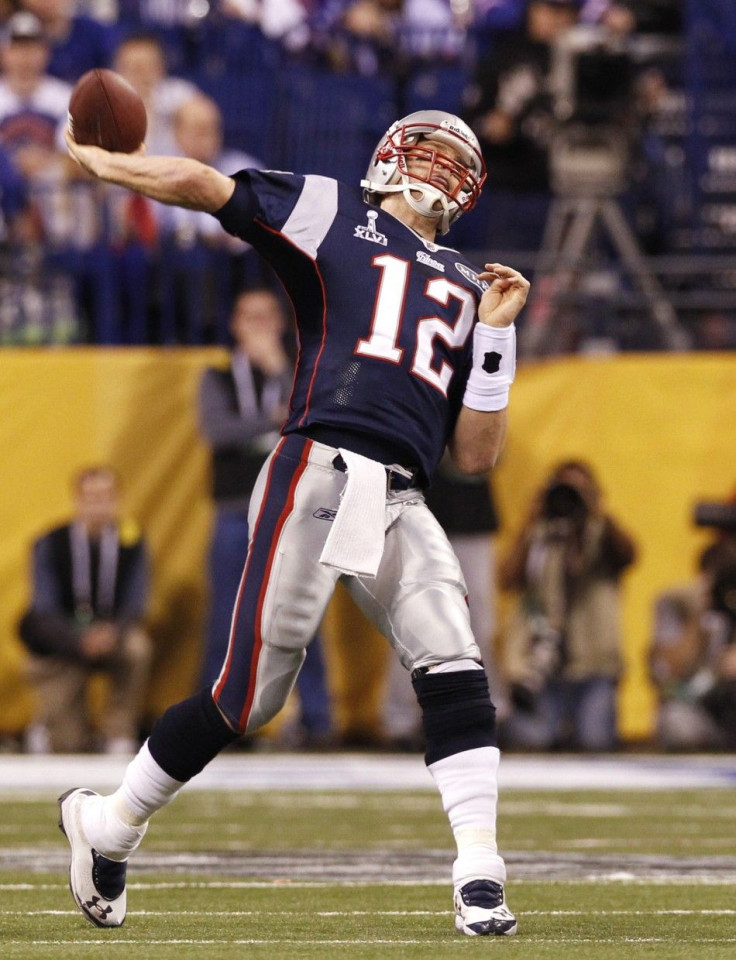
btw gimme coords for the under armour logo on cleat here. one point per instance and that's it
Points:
(492, 362)
(94, 904)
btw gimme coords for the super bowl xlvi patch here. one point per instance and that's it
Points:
(471, 276)
(424, 257)
(369, 232)
(324, 513)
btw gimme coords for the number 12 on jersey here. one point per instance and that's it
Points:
(388, 313)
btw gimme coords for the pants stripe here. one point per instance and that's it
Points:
(224, 673)
(283, 517)
(246, 639)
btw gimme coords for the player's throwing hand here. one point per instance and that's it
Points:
(506, 295)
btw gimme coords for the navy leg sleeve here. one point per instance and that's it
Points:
(456, 710)
(188, 736)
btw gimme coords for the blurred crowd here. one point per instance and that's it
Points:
(308, 84)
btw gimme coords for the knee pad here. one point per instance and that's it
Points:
(188, 736)
(457, 712)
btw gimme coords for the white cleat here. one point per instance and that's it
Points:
(97, 883)
(481, 911)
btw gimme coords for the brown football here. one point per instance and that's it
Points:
(105, 111)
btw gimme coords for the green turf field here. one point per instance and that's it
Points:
(314, 874)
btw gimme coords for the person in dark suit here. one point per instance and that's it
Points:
(90, 590)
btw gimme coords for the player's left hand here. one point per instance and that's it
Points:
(502, 301)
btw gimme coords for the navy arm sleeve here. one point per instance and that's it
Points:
(237, 215)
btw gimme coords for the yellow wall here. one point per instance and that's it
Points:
(659, 430)
(131, 408)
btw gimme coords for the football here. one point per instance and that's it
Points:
(105, 111)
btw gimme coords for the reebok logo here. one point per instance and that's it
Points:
(324, 513)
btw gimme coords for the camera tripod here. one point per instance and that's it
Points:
(575, 218)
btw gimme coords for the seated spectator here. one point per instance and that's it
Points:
(197, 127)
(33, 112)
(133, 225)
(90, 590)
(693, 655)
(200, 263)
(141, 60)
(33, 105)
(77, 43)
(562, 646)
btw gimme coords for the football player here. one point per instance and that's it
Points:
(405, 348)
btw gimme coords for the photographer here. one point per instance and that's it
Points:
(693, 655)
(562, 646)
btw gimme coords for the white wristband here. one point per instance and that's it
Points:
(494, 366)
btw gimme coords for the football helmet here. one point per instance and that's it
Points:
(437, 185)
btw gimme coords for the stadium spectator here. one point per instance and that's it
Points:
(693, 655)
(38, 306)
(241, 410)
(562, 646)
(33, 105)
(90, 590)
(201, 265)
(141, 59)
(134, 231)
(77, 43)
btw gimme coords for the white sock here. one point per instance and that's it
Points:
(115, 825)
(468, 785)
(144, 790)
(106, 832)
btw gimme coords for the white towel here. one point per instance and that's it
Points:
(355, 542)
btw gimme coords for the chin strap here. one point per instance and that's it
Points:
(422, 206)
(425, 204)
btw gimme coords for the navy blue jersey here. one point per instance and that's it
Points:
(384, 318)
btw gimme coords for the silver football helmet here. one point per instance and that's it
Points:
(441, 186)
